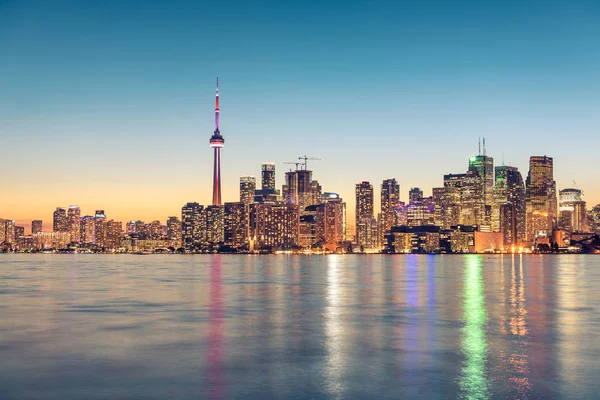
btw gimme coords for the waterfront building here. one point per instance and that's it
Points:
(236, 224)
(60, 221)
(155, 230)
(572, 214)
(247, 189)
(509, 211)
(308, 226)
(390, 197)
(73, 217)
(114, 235)
(193, 225)
(174, 232)
(365, 221)
(483, 166)
(87, 228)
(273, 225)
(420, 212)
(215, 224)
(332, 219)
(541, 203)
(100, 229)
(36, 226)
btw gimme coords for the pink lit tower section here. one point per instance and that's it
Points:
(217, 142)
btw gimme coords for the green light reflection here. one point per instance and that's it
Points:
(473, 379)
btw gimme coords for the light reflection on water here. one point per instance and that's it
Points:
(221, 327)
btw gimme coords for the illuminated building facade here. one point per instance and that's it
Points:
(333, 217)
(73, 216)
(365, 221)
(483, 166)
(114, 235)
(274, 225)
(390, 197)
(541, 204)
(193, 225)
(36, 226)
(60, 221)
(572, 214)
(215, 224)
(174, 231)
(268, 176)
(508, 212)
(155, 230)
(421, 212)
(87, 228)
(236, 229)
(247, 189)
(100, 229)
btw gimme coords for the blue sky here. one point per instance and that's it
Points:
(110, 104)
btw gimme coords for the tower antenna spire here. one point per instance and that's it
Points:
(216, 143)
(479, 153)
(484, 151)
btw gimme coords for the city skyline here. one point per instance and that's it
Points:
(95, 115)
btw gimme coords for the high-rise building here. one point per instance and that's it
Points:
(215, 224)
(464, 195)
(7, 226)
(508, 212)
(420, 212)
(483, 165)
(74, 215)
(155, 230)
(36, 226)
(193, 225)
(572, 214)
(390, 197)
(415, 195)
(60, 221)
(332, 218)
(100, 229)
(315, 190)
(364, 215)
(541, 204)
(114, 235)
(216, 143)
(19, 232)
(247, 189)
(273, 225)
(174, 231)
(87, 227)
(268, 176)
(236, 224)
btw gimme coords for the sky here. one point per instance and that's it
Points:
(110, 105)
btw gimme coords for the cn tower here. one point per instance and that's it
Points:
(217, 142)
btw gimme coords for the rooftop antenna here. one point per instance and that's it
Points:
(484, 152)
(479, 146)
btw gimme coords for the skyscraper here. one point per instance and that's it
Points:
(100, 229)
(60, 221)
(193, 225)
(36, 226)
(415, 195)
(268, 176)
(74, 215)
(87, 228)
(215, 224)
(541, 201)
(572, 214)
(236, 224)
(483, 165)
(217, 142)
(364, 215)
(247, 189)
(390, 196)
(174, 231)
(508, 212)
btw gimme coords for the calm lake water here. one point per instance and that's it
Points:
(303, 327)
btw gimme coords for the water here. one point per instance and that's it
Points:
(260, 327)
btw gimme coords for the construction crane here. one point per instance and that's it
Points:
(297, 164)
(305, 158)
